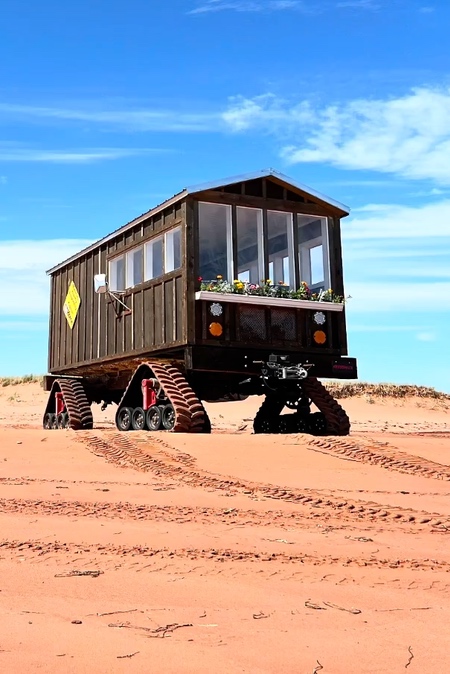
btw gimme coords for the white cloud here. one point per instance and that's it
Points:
(248, 6)
(140, 119)
(11, 153)
(408, 136)
(426, 336)
(402, 297)
(24, 283)
(358, 4)
(387, 221)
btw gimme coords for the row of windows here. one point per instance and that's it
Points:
(286, 232)
(159, 256)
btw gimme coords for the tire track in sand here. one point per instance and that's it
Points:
(121, 449)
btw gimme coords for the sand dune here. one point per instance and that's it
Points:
(228, 553)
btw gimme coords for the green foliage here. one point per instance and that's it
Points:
(268, 289)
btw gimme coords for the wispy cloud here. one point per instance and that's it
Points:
(359, 4)
(408, 136)
(10, 152)
(248, 6)
(138, 119)
(24, 283)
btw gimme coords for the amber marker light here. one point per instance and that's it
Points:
(215, 329)
(319, 337)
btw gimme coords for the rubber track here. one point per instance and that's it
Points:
(338, 422)
(200, 420)
(270, 409)
(190, 415)
(76, 402)
(124, 450)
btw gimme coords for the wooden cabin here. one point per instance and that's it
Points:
(253, 227)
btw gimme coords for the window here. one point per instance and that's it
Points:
(143, 263)
(215, 241)
(117, 273)
(313, 251)
(172, 250)
(135, 266)
(154, 258)
(280, 247)
(250, 262)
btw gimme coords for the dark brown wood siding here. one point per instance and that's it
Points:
(103, 329)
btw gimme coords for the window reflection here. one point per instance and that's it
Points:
(250, 262)
(215, 241)
(313, 251)
(280, 247)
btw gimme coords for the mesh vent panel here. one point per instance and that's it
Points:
(252, 324)
(283, 328)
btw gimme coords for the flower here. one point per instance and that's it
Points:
(200, 278)
(219, 276)
(269, 282)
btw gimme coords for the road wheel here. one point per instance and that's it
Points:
(123, 418)
(62, 420)
(168, 417)
(49, 421)
(138, 419)
(153, 418)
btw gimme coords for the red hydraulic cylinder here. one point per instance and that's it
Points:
(148, 393)
(60, 405)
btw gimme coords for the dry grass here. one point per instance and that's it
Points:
(26, 379)
(351, 389)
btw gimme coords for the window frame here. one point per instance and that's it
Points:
(313, 243)
(126, 256)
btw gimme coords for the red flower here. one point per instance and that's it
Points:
(200, 279)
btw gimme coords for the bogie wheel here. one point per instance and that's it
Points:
(138, 419)
(62, 420)
(268, 425)
(153, 418)
(317, 424)
(123, 418)
(49, 420)
(168, 417)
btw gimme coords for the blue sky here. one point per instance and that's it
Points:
(106, 109)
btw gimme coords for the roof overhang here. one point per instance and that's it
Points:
(195, 189)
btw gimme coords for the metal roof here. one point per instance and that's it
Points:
(264, 173)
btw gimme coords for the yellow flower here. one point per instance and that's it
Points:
(269, 282)
(219, 276)
(236, 280)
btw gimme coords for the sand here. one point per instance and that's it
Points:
(225, 553)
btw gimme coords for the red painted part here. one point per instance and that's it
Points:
(60, 405)
(148, 393)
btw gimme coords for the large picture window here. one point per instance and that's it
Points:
(313, 251)
(250, 257)
(215, 241)
(280, 247)
(160, 255)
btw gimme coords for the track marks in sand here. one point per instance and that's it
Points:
(70, 553)
(156, 457)
(186, 514)
(381, 454)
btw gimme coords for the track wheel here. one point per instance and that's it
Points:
(62, 420)
(168, 417)
(49, 420)
(123, 418)
(153, 418)
(317, 424)
(138, 419)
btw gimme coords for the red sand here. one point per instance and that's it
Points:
(225, 553)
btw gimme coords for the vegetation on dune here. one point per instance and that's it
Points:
(26, 379)
(351, 389)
